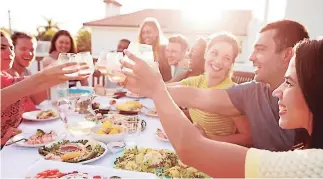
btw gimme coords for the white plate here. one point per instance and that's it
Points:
(87, 161)
(32, 116)
(148, 113)
(60, 136)
(162, 139)
(133, 95)
(42, 165)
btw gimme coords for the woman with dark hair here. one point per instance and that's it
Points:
(150, 33)
(15, 89)
(62, 42)
(300, 98)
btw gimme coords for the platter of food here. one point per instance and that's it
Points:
(73, 151)
(41, 115)
(108, 132)
(54, 169)
(129, 107)
(162, 162)
(37, 139)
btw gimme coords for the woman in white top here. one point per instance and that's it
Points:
(300, 107)
(62, 42)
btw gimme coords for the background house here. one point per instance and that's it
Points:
(245, 24)
(108, 31)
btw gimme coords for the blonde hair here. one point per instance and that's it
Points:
(224, 37)
(161, 40)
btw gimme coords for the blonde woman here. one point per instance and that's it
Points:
(150, 33)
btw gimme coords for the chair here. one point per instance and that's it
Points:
(242, 76)
(97, 80)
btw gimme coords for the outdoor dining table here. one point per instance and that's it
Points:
(15, 160)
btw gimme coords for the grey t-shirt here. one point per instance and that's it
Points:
(255, 100)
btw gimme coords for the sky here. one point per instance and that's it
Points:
(27, 15)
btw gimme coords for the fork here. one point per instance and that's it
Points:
(23, 139)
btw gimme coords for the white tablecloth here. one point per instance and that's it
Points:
(15, 160)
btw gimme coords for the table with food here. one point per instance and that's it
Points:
(101, 135)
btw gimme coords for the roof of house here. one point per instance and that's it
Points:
(113, 2)
(235, 21)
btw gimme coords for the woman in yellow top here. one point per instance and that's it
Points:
(300, 106)
(220, 54)
(150, 33)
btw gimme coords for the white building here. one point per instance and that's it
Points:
(108, 31)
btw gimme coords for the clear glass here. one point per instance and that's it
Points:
(85, 57)
(109, 64)
(101, 64)
(144, 52)
(133, 130)
(68, 57)
(75, 124)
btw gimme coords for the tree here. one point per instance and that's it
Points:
(83, 40)
(46, 32)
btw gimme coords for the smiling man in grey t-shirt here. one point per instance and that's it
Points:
(271, 56)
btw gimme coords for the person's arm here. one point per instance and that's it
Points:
(179, 77)
(209, 100)
(216, 159)
(173, 84)
(15, 92)
(291, 164)
(192, 148)
(38, 82)
(243, 137)
(39, 97)
(84, 82)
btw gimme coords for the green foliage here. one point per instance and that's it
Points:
(83, 40)
(46, 32)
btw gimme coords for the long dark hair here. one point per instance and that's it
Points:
(309, 70)
(55, 37)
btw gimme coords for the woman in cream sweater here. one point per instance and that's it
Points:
(300, 98)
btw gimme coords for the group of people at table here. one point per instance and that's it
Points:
(269, 127)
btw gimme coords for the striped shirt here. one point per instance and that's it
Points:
(213, 124)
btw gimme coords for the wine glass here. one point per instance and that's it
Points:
(114, 67)
(144, 52)
(65, 58)
(100, 65)
(85, 57)
(109, 64)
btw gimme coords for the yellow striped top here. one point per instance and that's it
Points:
(213, 124)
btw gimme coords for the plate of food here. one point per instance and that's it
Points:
(161, 135)
(133, 95)
(108, 132)
(74, 151)
(162, 162)
(37, 139)
(129, 107)
(42, 115)
(54, 169)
